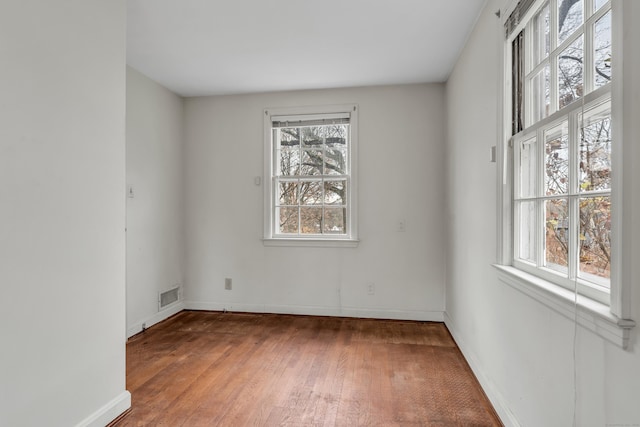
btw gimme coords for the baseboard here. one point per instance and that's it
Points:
(156, 318)
(497, 400)
(108, 412)
(369, 313)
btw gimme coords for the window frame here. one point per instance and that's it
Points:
(610, 320)
(271, 237)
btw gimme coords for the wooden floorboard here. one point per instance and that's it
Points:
(235, 369)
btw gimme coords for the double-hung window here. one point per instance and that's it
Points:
(562, 143)
(310, 169)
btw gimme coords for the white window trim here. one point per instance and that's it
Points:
(611, 322)
(349, 240)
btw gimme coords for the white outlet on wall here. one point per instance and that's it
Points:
(228, 284)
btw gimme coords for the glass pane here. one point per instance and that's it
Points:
(570, 75)
(595, 237)
(312, 136)
(288, 161)
(288, 193)
(556, 148)
(289, 137)
(335, 192)
(335, 220)
(527, 233)
(541, 94)
(528, 168)
(336, 149)
(310, 220)
(336, 135)
(541, 40)
(311, 162)
(595, 156)
(602, 54)
(598, 4)
(335, 161)
(311, 193)
(569, 18)
(288, 220)
(556, 234)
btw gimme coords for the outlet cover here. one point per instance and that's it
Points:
(228, 284)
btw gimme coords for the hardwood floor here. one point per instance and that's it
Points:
(229, 369)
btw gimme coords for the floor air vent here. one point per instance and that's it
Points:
(169, 297)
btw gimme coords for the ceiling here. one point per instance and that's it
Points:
(214, 47)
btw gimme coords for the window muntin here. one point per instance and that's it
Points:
(562, 167)
(310, 174)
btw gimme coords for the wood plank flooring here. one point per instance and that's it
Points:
(230, 369)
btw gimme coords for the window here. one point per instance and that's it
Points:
(562, 179)
(310, 169)
(563, 145)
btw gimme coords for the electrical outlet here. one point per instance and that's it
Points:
(228, 285)
(401, 226)
(371, 288)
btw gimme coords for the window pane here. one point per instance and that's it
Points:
(310, 220)
(569, 18)
(312, 136)
(288, 193)
(336, 135)
(570, 77)
(541, 40)
(541, 94)
(602, 55)
(288, 151)
(557, 234)
(335, 192)
(595, 156)
(528, 168)
(311, 162)
(598, 4)
(556, 177)
(311, 193)
(336, 149)
(527, 237)
(289, 137)
(287, 220)
(335, 221)
(595, 237)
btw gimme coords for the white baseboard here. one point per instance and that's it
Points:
(108, 412)
(369, 313)
(156, 318)
(496, 398)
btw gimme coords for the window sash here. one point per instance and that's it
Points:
(593, 105)
(534, 67)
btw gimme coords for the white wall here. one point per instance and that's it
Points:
(155, 232)
(401, 162)
(521, 350)
(62, 212)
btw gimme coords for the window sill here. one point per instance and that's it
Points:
(591, 315)
(313, 243)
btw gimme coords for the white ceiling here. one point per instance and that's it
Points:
(213, 47)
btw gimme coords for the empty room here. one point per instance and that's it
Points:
(304, 213)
